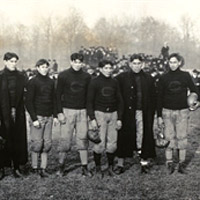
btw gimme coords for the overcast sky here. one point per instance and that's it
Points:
(26, 11)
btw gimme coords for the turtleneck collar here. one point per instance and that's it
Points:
(41, 76)
(103, 76)
(136, 74)
(8, 72)
(76, 72)
(176, 71)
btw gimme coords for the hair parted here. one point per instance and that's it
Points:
(136, 56)
(10, 55)
(41, 62)
(105, 62)
(77, 56)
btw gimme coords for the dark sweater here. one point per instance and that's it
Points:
(104, 95)
(40, 97)
(12, 82)
(72, 89)
(137, 77)
(172, 90)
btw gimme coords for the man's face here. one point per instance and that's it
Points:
(76, 64)
(107, 70)
(90, 71)
(174, 63)
(43, 69)
(11, 64)
(136, 65)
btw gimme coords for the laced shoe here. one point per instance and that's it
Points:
(98, 172)
(43, 173)
(110, 171)
(17, 173)
(86, 172)
(119, 170)
(170, 167)
(181, 168)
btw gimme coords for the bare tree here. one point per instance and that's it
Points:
(188, 38)
(72, 31)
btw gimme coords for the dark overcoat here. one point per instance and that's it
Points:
(127, 135)
(14, 133)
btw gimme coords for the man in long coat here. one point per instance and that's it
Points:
(13, 124)
(138, 92)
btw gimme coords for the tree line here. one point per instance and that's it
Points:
(54, 37)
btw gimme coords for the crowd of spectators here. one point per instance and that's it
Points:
(93, 55)
(155, 65)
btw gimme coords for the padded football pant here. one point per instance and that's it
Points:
(176, 127)
(108, 132)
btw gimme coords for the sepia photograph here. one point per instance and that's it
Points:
(100, 100)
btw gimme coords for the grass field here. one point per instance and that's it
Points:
(130, 185)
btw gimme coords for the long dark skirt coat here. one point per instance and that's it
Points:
(14, 133)
(127, 135)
